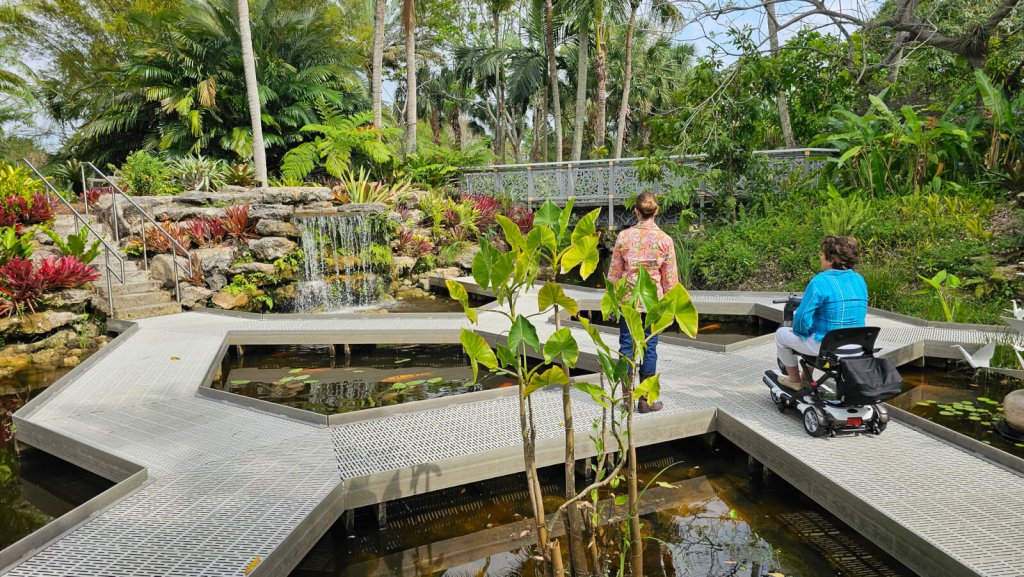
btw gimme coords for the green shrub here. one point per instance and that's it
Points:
(145, 174)
(199, 173)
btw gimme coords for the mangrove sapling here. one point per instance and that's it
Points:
(674, 307)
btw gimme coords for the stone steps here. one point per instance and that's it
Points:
(138, 296)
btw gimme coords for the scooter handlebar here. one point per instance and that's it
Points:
(780, 301)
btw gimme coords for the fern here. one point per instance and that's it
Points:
(337, 138)
(842, 216)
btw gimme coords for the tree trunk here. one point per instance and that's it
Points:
(781, 100)
(435, 125)
(627, 77)
(556, 106)
(499, 129)
(601, 71)
(378, 62)
(581, 94)
(455, 118)
(409, 22)
(259, 153)
(636, 545)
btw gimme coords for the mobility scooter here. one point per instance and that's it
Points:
(862, 381)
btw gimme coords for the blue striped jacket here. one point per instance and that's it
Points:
(834, 299)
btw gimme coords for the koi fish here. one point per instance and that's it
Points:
(506, 385)
(406, 377)
(711, 327)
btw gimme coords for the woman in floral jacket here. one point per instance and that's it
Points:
(644, 245)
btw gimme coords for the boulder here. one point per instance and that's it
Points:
(74, 300)
(445, 273)
(404, 264)
(179, 212)
(226, 300)
(465, 258)
(296, 194)
(214, 260)
(329, 209)
(39, 323)
(161, 269)
(48, 358)
(270, 227)
(1013, 410)
(263, 268)
(194, 297)
(222, 197)
(271, 247)
(270, 211)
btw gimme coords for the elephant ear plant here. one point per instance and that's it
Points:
(511, 276)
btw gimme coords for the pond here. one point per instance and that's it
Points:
(712, 329)
(955, 396)
(310, 378)
(709, 518)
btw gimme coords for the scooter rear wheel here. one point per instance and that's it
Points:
(815, 422)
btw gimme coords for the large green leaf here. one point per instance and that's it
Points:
(595, 335)
(548, 215)
(595, 391)
(993, 98)
(501, 271)
(542, 237)
(513, 235)
(458, 292)
(635, 326)
(584, 253)
(478, 350)
(562, 343)
(523, 331)
(483, 262)
(646, 289)
(506, 356)
(651, 387)
(586, 227)
(552, 376)
(563, 219)
(552, 294)
(678, 302)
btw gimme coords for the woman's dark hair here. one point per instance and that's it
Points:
(842, 251)
(647, 205)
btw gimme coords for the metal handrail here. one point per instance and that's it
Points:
(108, 250)
(187, 268)
(782, 152)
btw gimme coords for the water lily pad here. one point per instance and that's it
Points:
(240, 382)
(435, 380)
(974, 418)
(946, 407)
(301, 377)
(946, 413)
(967, 402)
(985, 399)
(312, 381)
(414, 383)
(958, 413)
(286, 380)
(400, 361)
(400, 386)
(294, 371)
(987, 423)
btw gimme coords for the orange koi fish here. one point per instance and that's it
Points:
(709, 327)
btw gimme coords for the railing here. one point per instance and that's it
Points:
(143, 221)
(80, 221)
(595, 182)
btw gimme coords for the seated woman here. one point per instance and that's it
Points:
(835, 298)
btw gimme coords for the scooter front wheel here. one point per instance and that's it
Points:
(814, 422)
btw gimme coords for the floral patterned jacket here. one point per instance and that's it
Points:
(645, 245)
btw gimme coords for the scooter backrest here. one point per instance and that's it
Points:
(849, 342)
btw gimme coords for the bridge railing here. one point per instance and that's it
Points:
(597, 182)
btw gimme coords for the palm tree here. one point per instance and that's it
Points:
(583, 12)
(556, 105)
(252, 93)
(497, 7)
(409, 24)
(184, 90)
(378, 62)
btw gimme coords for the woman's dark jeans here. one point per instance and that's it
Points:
(650, 364)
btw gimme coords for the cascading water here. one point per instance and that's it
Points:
(338, 270)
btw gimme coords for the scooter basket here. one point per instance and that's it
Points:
(867, 380)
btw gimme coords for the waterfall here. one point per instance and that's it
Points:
(338, 271)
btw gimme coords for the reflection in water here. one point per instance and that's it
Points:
(311, 378)
(707, 519)
(959, 398)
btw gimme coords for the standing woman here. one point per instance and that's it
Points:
(644, 245)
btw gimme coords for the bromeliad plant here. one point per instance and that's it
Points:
(510, 276)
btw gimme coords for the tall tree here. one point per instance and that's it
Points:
(627, 77)
(409, 23)
(497, 7)
(780, 99)
(252, 92)
(378, 61)
(556, 105)
(583, 27)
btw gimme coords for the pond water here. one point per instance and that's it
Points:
(715, 329)
(310, 378)
(713, 520)
(960, 399)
